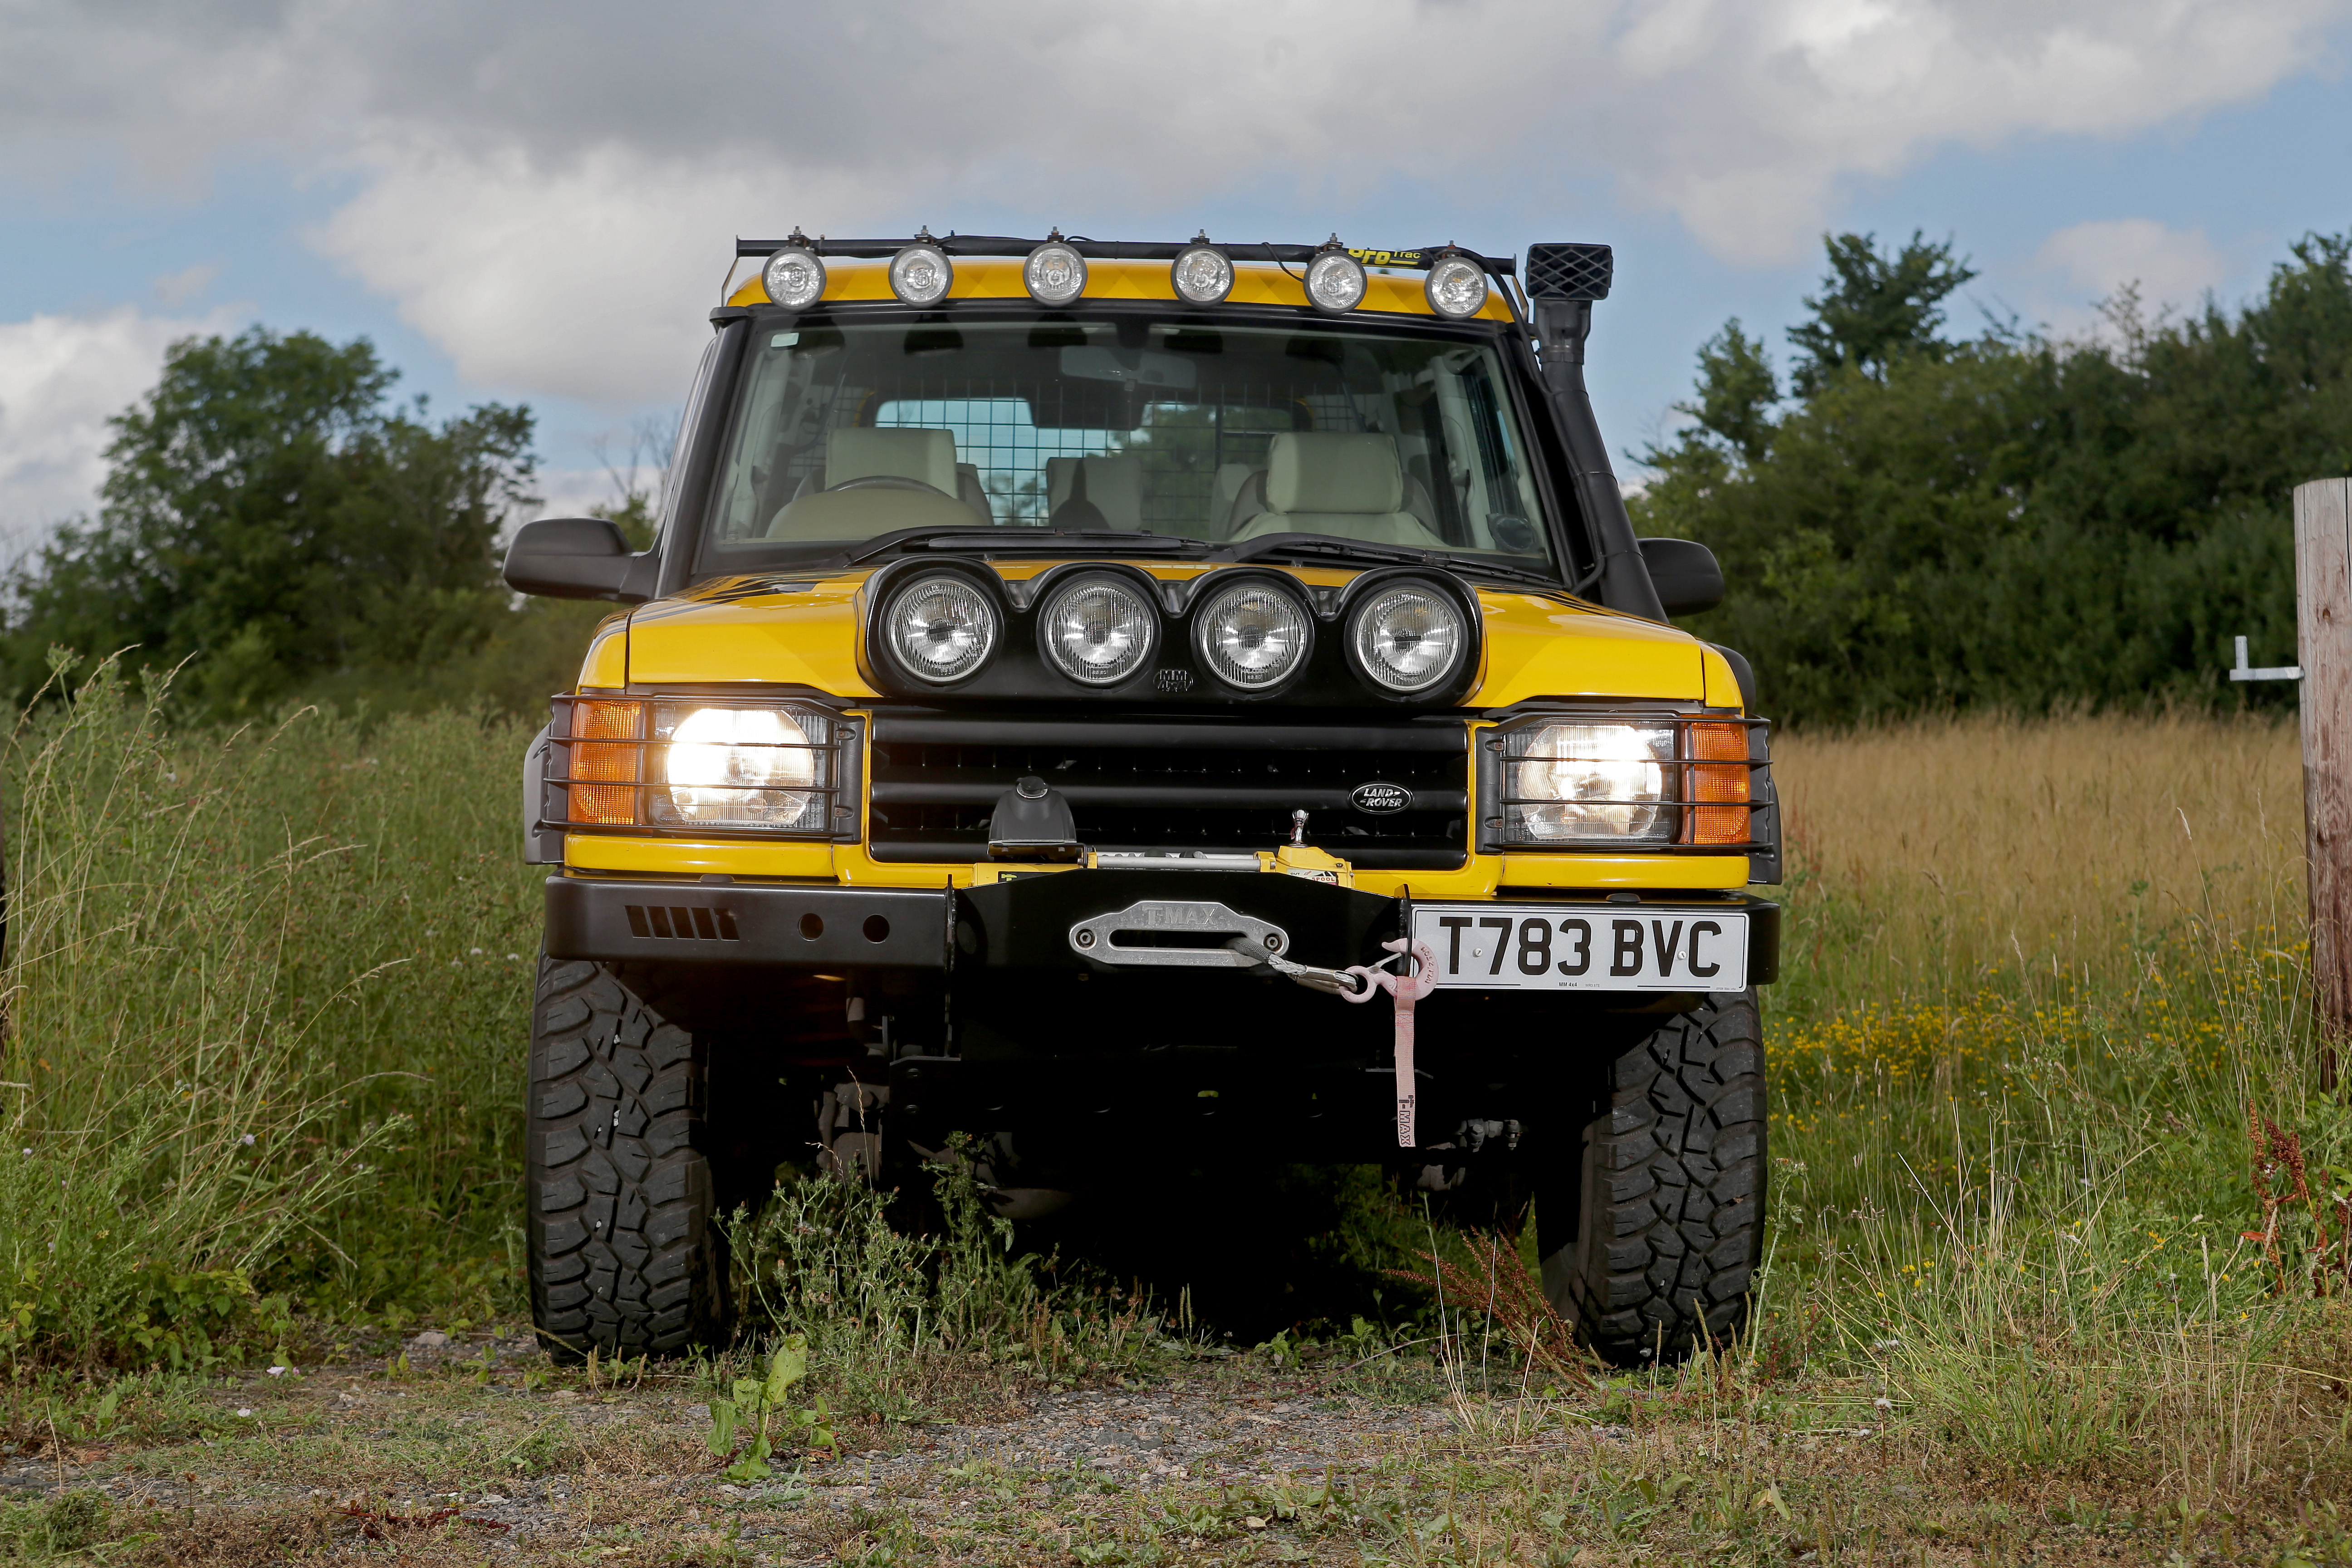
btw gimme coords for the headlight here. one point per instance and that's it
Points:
(1097, 631)
(1408, 638)
(1252, 636)
(736, 767)
(942, 628)
(1202, 275)
(1456, 287)
(1056, 274)
(1335, 280)
(921, 274)
(793, 277)
(1587, 782)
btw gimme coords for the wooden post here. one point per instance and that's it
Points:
(2322, 597)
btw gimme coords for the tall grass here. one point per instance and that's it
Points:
(893, 1320)
(1933, 856)
(247, 976)
(2040, 976)
(2040, 980)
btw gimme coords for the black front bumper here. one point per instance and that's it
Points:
(1021, 924)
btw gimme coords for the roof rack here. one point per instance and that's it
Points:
(1123, 250)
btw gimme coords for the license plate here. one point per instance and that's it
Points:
(1522, 947)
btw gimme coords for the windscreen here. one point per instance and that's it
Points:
(844, 433)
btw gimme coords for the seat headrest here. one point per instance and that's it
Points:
(857, 453)
(1114, 486)
(1332, 471)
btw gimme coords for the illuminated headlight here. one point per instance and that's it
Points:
(1587, 782)
(921, 274)
(1408, 638)
(1456, 287)
(1335, 280)
(793, 278)
(1202, 275)
(940, 628)
(1056, 274)
(1252, 636)
(1097, 631)
(738, 767)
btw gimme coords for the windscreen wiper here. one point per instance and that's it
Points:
(1315, 544)
(897, 537)
(1109, 539)
(1497, 569)
(960, 536)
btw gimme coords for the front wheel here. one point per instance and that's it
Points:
(1652, 1223)
(625, 1255)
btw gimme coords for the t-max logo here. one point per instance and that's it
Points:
(1381, 798)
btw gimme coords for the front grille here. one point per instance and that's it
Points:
(1165, 781)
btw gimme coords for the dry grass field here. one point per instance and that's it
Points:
(2057, 1274)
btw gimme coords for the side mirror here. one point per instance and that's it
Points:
(1685, 574)
(572, 558)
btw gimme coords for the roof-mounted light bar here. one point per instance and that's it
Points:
(957, 246)
(1336, 281)
(1202, 274)
(793, 276)
(1054, 273)
(920, 273)
(1457, 285)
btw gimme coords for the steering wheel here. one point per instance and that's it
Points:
(885, 482)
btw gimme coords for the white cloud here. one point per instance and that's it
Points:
(585, 275)
(61, 378)
(2169, 266)
(542, 188)
(176, 288)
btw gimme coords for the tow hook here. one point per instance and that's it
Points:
(1357, 983)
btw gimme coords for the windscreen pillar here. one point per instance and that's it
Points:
(1563, 282)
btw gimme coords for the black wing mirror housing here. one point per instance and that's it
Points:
(1685, 574)
(577, 558)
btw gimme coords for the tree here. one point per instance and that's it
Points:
(1875, 307)
(2014, 520)
(267, 512)
(1731, 418)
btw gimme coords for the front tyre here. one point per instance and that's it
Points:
(626, 1258)
(1652, 1224)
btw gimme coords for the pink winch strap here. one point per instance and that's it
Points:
(1405, 989)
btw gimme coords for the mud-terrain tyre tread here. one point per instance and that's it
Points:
(1669, 1228)
(625, 1255)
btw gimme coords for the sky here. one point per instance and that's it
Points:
(535, 202)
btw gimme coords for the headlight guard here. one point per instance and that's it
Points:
(697, 766)
(1653, 782)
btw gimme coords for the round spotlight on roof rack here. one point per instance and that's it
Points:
(1055, 272)
(1335, 280)
(921, 274)
(793, 277)
(1202, 275)
(1457, 285)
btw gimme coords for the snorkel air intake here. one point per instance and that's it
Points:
(1563, 280)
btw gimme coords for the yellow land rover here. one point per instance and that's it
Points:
(1112, 700)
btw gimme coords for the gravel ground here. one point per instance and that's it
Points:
(458, 1451)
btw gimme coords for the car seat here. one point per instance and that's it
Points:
(1341, 483)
